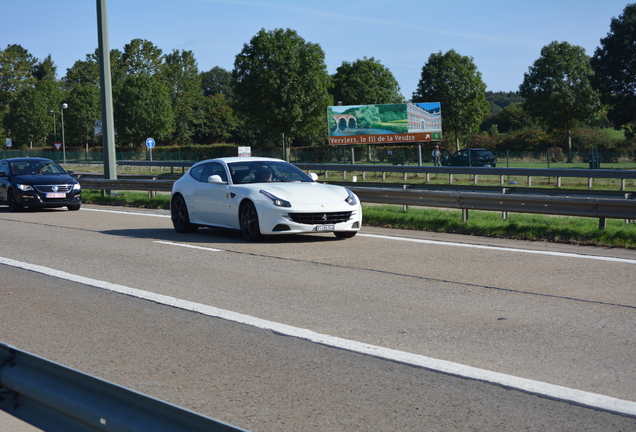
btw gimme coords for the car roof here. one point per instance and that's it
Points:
(27, 159)
(232, 159)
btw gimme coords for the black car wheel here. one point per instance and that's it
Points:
(179, 215)
(248, 220)
(13, 204)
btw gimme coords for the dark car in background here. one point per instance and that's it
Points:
(37, 183)
(475, 157)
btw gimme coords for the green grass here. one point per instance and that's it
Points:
(571, 230)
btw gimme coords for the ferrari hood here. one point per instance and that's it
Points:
(306, 193)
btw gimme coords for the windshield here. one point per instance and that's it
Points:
(36, 168)
(266, 171)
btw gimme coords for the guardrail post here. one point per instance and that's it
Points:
(464, 215)
(602, 223)
(450, 178)
(475, 179)
(590, 181)
(344, 176)
(622, 184)
(428, 177)
(558, 181)
(326, 174)
(529, 181)
(383, 176)
(501, 180)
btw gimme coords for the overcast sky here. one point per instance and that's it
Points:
(504, 37)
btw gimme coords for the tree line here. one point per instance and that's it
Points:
(279, 90)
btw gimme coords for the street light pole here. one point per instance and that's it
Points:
(64, 106)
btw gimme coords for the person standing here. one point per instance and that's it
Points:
(437, 156)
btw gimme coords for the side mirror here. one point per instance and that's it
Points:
(313, 176)
(3, 174)
(215, 179)
(69, 172)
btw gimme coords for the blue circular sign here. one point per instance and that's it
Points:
(150, 143)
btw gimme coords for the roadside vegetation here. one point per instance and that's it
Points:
(571, 230)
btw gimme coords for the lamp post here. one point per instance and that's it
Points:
(64, 106)
(54, 126)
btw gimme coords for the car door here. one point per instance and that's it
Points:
(211, 199)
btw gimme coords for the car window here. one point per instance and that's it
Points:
(36, 168)
(204, 171)
(265, 171)
(197, 172)
(4, 168)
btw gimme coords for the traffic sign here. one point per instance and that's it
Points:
(150, 143)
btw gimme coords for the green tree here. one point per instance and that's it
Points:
(558, 89)
(454, 81)
(141, 57)
(615, 65)
(217, 121)
(181, 76)
(365, 82)
(16, 73)
(83, 110)
(217, 81)
(281, 85)
(27, 120)
(142, 109)
(45, 70)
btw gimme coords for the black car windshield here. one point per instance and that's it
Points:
(36, 168)
(266, 171)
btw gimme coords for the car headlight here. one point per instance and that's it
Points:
(351, 199)
(76, 187)
(25, 187)
(278, 202)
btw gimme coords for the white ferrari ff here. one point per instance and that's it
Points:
(261, 196)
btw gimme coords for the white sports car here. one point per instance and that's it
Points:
(261, 196)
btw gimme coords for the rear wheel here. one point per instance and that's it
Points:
(345, 234)
(248, 220)
(180, 217)
(13, 204)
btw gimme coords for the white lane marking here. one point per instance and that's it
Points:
(501, 248)
(188, 246)
(126, 213)
(441, 243)
(551, 391)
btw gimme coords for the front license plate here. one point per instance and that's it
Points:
(325, 228)
(56, 195)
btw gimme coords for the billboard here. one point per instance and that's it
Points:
(384, 124)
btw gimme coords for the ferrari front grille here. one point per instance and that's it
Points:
(321, 218)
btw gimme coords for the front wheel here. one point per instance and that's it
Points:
(180, 217)
(345, 234)
(13, 204)
(248, 220)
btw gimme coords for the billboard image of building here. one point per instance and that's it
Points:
(384, 124)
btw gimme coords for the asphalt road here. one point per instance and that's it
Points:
(508, 312)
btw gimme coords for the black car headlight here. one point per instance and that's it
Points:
(278, 202)
(351, 199)
(25, 187)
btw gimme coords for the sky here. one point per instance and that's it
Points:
(503, 37)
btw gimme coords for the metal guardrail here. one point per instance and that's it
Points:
(55, 398)
(504, 199)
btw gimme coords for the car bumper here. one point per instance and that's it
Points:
(304, 221)
(35, 199)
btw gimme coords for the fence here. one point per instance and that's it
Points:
(335, 154)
